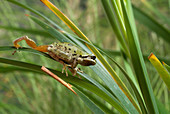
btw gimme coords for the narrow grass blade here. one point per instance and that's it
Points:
(152, 24)
(91, 104)
(116, 22)
(166, 66)
(75, 29)
(33, 11)
(6, 69)
(36, 32)
(104, 94)
(138, 63)
(164, 74)
(50, 30)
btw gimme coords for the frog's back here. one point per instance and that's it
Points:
(71, 49)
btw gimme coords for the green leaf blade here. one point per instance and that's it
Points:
(138, 63)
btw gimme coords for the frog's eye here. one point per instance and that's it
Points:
(93, 57)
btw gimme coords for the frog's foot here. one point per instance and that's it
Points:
(31, 43)
(74, 71)
(65, 68)
(78, 69)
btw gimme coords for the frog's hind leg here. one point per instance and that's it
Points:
(30, 43)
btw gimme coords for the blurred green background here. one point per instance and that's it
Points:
(26, 92)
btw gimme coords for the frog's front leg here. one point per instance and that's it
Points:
(64, 67)
(31, 43)
(74, 71)
(74, 68)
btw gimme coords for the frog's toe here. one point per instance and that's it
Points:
(73, 71)
(79, 70)
(66, 73)
(65, 68)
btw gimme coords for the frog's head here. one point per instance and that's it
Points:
(87, 60)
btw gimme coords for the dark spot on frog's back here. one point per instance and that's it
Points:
(65, 48)
(74, 54)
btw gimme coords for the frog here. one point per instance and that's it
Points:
(65, 53)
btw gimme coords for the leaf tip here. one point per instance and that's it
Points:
(163, 63)
(43, 1)
(151, 55)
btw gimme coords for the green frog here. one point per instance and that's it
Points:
(67, 54)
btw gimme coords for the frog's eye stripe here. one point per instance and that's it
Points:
(85, 56)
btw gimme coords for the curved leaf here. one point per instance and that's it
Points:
(164, 74)
(138, 62)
